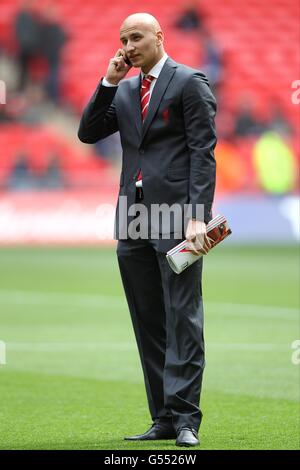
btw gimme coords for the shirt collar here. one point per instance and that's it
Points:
(155, 71)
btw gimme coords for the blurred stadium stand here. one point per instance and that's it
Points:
(259, 45)
(39, 145)
(257, 37)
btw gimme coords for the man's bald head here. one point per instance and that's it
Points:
(142, 39)
(141, 19)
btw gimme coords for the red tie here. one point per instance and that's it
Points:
(145, 94)
(145, 98)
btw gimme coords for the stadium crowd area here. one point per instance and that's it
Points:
(52, 55)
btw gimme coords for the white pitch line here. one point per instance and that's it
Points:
(37, 298)
(55, 346)
(131, 346)
(252, 309)
(75, 299)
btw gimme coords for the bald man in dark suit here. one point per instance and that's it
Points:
(165, 116)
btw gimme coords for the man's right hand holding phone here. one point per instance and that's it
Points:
(118, 68)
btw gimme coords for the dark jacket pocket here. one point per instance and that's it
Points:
(179, 173)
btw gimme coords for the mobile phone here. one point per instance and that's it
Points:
(126, 60)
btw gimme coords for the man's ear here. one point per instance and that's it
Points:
(160, 38)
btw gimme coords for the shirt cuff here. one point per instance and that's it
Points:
(106, 83)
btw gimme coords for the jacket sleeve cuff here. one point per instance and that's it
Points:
(201, 212)
(106, 83)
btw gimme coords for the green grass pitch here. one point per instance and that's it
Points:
(72, 378)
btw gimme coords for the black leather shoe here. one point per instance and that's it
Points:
(156, 432)
(187, 437)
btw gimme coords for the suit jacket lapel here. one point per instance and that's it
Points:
(135, 103)
(159, 89)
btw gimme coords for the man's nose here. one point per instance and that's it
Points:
(129, 47)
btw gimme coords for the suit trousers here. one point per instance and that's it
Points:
(167, 316)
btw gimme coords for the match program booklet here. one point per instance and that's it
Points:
(180, 257)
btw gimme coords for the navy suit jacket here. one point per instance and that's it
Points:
(174, 147)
